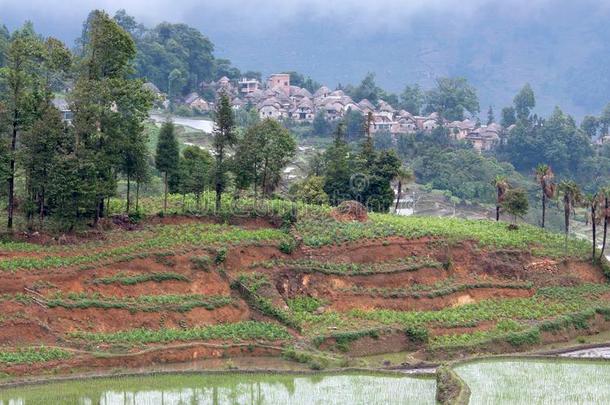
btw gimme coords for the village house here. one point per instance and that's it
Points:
(485, 137)
(281, 100)
(64, 108)
(247, 86)
(280, 81)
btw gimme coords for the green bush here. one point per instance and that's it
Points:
(305, 304)
(528, 337)
(221, 256)
(165, 258)
(287, 246)
(201, 263)
(417, 334)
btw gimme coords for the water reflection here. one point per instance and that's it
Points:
(230, 389)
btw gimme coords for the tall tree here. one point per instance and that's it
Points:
(490, 116)
(524, 102)
(337, 168)
(108, 104)
(571, 196)
(508, 117)
(367, 89)
(604, 120)
(500, 183)
(403, 175)
(134, 159)
(167, 156)
(516, 203)
(261, 155)
(605, 196)
(592, 202)
(21, 96)
(41, 144)
(195, 171)
(544, 177)
(590, 125)
(451, 98)
(224, 140)
(412, 99)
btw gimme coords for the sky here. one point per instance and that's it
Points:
(497, 44)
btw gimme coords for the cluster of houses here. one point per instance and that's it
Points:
(278, 99)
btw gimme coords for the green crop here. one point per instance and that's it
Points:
(247, 330)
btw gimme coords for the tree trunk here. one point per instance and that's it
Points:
(219, 175)
(137, 196)
(11, 178)
(543, 207)
(128, 190)
(165, 192)
(498, 197)
(605, 227)
(41, 212)
(398, 196)
(593, 228)
(97, 212)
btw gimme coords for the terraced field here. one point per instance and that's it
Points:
(319, 292)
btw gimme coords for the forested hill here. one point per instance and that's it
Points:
(560, 47)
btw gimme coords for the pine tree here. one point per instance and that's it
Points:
(224, 139)
(490, 116)
(195, 171)
(109, 106)
(168, 156)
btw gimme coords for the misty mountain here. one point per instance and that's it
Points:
(561, 47)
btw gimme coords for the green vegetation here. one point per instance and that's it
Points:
(320, 232)
(343, 339)
(145, 303)
(252, 286)
(165, 237)
(305, 304)
(431, 291)
(352, 269)
(201, 263)
(127, 279)
(30, 355)
(237, 332)
(450, 388)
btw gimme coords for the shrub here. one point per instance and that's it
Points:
(305, 304)
(201, 263)
(221, 256)
(417, 334)
(165, 258)
(287, 246)
(526, 338)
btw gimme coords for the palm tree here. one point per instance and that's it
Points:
(404, 175)
(501, 185)
(592, 202)
(544, 177)
(572, 196)
(605, 214)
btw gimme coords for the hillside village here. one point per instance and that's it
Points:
(278, 99)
